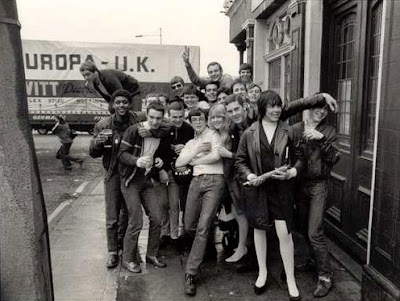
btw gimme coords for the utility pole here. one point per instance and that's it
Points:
(25, 267)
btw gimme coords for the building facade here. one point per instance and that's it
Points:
(350, 49)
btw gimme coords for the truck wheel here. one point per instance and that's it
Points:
(42, 131)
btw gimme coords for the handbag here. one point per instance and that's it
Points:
(182, 176)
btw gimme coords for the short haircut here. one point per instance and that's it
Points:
(163, 94)
(234, 97)
(253, 85)
(176, 79)
(215, 63)
(123, 93)
(89, 66)
(156, 105)
(270, 98)
(238, 81)
(212, 83)
(225, 90)
(190, 90)
(198, 112)
(176, 106)
(152, 95)
(246, 66)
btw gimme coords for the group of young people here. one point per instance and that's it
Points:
(213, 140)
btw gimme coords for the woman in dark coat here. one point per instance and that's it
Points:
(262, 164)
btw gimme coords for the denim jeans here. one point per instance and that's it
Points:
(116, 213)
(168, 196)
(205, 192)
(311, 212)
(141, 192)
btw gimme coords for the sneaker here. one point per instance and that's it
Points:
(190, 285)
(323, 288)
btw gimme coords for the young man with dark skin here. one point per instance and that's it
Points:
(105, 143)
(317, 141)
(140, 160)
(214, 70)
(205, 190)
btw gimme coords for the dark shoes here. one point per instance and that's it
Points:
(112, 261)
(132, 267)
(323, 288)
(298, 298)
(154, 261)
(262, 289)
(190, 285)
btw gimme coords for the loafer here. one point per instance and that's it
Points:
(112, 261)
(154, 261)
(323, 288)
(190, 285)
(132, 267)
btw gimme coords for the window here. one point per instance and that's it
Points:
(345, 35)
(275, 75)
(373, 56)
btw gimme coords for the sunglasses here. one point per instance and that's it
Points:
(176, 86)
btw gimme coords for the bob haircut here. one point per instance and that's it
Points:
(123, 93)
(89, 66)
(198, 112)
(234, 97)
(215, 63)
(218, 110)
(176, 106)
(156, 105)
(268, 98)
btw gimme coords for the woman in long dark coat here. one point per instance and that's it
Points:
(262, 164)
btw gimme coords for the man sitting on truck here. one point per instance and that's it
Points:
(107, 81)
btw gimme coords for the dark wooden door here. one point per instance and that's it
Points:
(350, 66)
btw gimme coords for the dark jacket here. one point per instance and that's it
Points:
(114, 80)
(248, 160)
(320, 155)
(110, 155)
(180, 136)
(129, 153)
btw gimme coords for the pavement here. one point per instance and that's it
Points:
(78, 252)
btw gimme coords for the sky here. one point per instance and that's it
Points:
(183, 22)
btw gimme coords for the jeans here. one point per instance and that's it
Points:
(66, 158)
(205, 192)
(141, 192)
(168, 196)
(311, 212)
(116, 213)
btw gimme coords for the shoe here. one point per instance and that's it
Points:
(323, 288)
(112, 261)
(234, 258)
(132, 267)
(291, 298)
(262, 289)
(154, 261)
(308, 266)
(190, 285)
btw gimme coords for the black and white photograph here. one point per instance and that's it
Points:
(172, 150)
